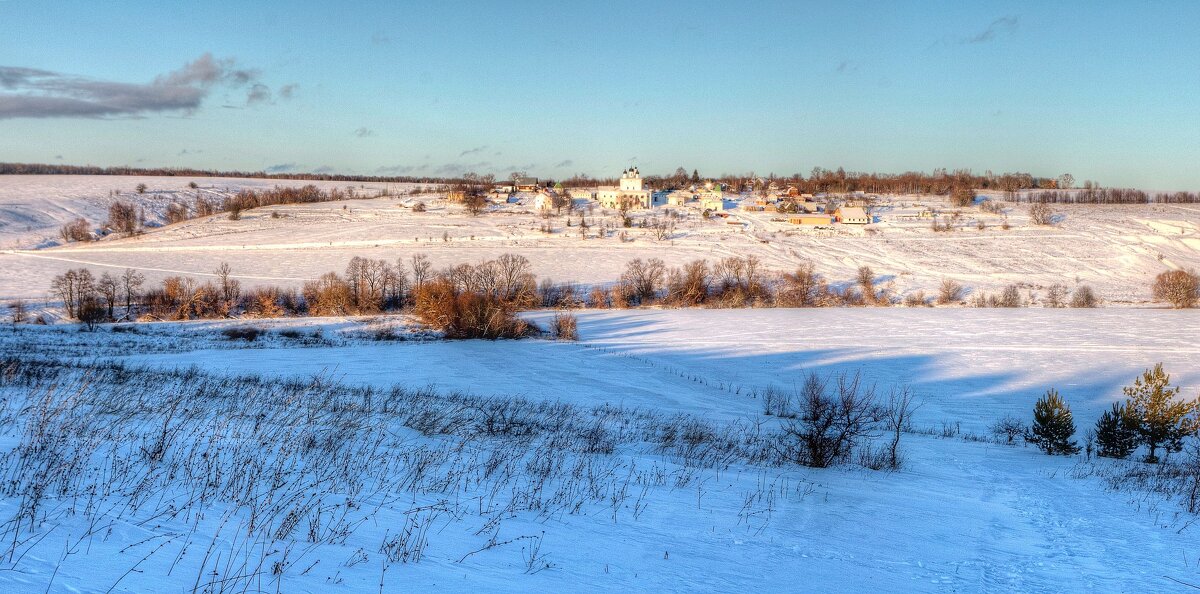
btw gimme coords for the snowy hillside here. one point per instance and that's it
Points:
(361, 498)
(1115, 249)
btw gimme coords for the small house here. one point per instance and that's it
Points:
(809, 219)
(852, 215)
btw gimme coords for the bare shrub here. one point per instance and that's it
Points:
(916, 299)
(777, 403)
(1009, 429)
(77, 230)
(1084, 297)
(831, 421)
(950, 291)
(1010, 296)
(1041, 214)
(802, 288)
(564, 326)
(1056, 295)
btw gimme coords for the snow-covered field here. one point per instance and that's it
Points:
(364, 453)
(1115, 249)
(961, 515)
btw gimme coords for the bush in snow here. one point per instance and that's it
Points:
(1009, 428)
(831, 422)
(1116, 433)
(950, 291)
(1053, 425)
(1084, 297)
(77, 230)
(564, 326)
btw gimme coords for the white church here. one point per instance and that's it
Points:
(629, 192)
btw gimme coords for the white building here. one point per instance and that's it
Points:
(543, 201)
(631, 192)
(711, 197)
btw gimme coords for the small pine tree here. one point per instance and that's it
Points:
(1162, 421)
(1116, 433)
(1053, 425)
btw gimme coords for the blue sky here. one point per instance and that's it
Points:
(1104, 90)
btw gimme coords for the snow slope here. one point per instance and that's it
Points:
(1115, 249)
(961, 516)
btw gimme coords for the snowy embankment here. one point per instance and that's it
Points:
(592, 481)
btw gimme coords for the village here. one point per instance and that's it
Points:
(709, 199)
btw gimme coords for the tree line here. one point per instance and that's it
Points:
(482, 300)
(55, 169)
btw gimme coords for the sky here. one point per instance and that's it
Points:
(1106, 91)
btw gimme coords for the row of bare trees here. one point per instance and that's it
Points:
(482, 299)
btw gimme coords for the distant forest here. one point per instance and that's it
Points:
(52, 169)
(1017, 187)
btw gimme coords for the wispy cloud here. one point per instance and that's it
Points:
(400, 169)
(461, 168)
(1003, 25)
(364, 132)
(324, 169)
(281, 168)
(34, 93)
(478, 149)
(258, 93)
(564, 163)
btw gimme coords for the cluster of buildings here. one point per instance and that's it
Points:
(632, 194)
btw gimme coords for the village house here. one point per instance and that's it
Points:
(526, 184)
(809, 219)
(630, 193)
(680, 198)
(544, 200)
(852, 215)
(582, 193)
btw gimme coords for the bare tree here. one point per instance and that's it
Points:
(107, 288)
(642, 279)
(231, 288)
(18, 311)
(663, 228)
(131, 283)
(422, 269)
(1180, 288)
(1056, 295)
(124, 218)
(897, 418)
